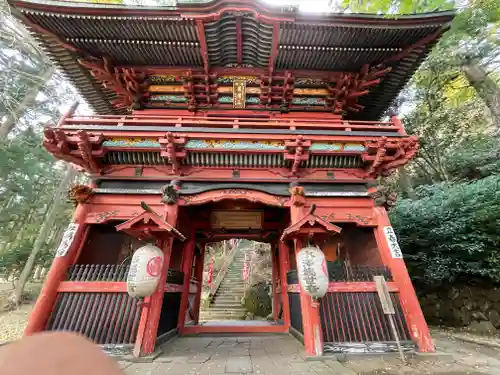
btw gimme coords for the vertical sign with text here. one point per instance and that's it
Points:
(392, 241)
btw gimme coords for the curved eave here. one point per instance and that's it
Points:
(98, 97)
(212, 10)
(168, 36)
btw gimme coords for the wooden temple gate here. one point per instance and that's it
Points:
(230, 119)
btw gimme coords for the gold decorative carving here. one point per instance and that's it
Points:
(239, 93)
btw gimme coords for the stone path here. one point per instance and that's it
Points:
(283, 355)
(263, 355)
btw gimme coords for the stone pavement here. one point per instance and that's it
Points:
(263, 355)
(283, 355)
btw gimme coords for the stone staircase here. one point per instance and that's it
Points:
(226, 304)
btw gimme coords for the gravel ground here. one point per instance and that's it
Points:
(12, 323)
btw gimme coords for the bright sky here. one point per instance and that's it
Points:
(310, 6)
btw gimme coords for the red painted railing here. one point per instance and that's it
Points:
(224, 122)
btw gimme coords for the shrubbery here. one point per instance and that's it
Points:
(452, 232)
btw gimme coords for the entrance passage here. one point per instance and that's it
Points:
(238, 284)
(238, 241)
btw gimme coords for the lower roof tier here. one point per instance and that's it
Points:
(221, 147)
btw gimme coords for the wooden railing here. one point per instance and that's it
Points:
(236, 123)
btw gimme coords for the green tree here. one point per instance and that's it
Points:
(451, 232)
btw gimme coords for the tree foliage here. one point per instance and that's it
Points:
(451, 232)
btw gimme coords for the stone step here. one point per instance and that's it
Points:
(230, 292)
(227, 298)
(217, 308)
(222, 315)
(221, 319)
(229, 309)
(233, 285)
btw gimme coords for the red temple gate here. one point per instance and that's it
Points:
(221, 120)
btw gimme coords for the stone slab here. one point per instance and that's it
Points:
(236, 365)
(143, 359)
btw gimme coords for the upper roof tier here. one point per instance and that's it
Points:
(354, 64)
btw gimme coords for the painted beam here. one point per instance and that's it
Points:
(106, 287)
(195, 330)
(348, 287)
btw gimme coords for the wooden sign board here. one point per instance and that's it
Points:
(383, 295)
(232, 219)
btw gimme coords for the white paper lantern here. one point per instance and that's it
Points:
(145, 270)
(312, 270)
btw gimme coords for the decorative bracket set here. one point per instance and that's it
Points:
(201, 89)
(381, 157)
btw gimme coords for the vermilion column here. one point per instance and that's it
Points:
(45, 302)
(311, 323)
(187, 263)
(198, 272)
(284, 264)
(409, 302)
(150, 315)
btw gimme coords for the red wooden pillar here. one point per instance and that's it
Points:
(198, 272)
(187, 263)
(284, 264)
(275, 276)
(45, 302)
(311, 322)
(409, 302)
(151, 311)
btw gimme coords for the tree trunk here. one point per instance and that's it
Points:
(486, 88)
(43, 234)
(29, 99)
(405, 183)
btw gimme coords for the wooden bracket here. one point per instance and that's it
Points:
(172, 150)
(129, 85)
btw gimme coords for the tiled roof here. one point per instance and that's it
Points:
(149, 36)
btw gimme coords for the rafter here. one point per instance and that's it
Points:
(239, 41)
(274, 48)
(200, 30)
(422, 42)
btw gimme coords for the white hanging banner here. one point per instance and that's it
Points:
(67, 239)
(392, 241)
